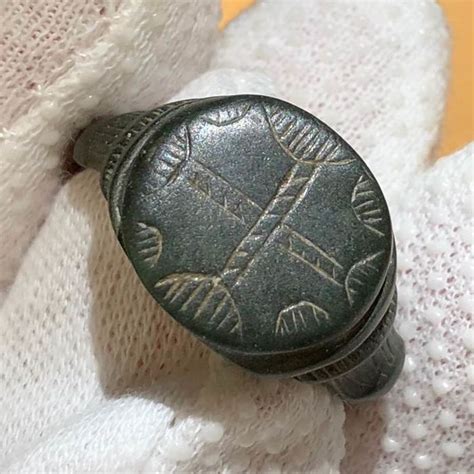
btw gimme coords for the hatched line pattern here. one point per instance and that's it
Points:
(312, 255)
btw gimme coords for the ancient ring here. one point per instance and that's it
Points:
(258, 228)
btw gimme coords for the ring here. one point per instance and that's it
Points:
(259, 229)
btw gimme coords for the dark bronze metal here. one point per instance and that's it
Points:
(259, 229)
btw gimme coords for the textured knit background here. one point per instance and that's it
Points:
(93, 375)
(458, 121)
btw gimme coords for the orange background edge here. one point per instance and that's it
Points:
(457, 128)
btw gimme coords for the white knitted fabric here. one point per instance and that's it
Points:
(95, 377)
(64, 62)
(376, 72)
(426, 421)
